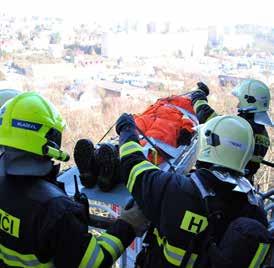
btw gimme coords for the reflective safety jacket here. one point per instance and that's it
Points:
(164, 119)
(174, 206)
(42, 227)
(204, 112)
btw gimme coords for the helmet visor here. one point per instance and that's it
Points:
(263, 118)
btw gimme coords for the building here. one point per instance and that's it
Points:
(190, 44)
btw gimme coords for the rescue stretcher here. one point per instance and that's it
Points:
(181, 159)
(178, 159)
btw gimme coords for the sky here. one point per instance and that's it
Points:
(189, 12)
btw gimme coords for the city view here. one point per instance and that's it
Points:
(98, 67)
(168, 184)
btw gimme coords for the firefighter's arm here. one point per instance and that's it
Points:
(145, 181)
(200, 104)
(73, 246)
(262, 144)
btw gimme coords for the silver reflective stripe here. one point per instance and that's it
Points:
(137, 170)
(130, 147)
(94, 256)
(173, 255)
(17, 259)
(191, 260)
(111, 243)
(260, 255)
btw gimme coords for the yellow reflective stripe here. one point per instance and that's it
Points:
(259, 255)
(257, 159)
(112, 244)
(93, 256)
(14, 258)
(159, 239)
(214, 114)
(262, 140)
(198, 103)
(137, 170)
(129, 148)
(193, 222)
(9, 223)
(174, 255)
(191, 261)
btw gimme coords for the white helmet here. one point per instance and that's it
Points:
(6, 94)
(226, 141)
(254, 97)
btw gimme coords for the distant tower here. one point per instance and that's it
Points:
(151, 27)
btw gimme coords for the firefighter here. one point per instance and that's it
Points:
(254, 100)
(40, 226)
(208, 218)
(169, 120)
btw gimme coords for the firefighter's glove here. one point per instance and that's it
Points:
(125, 122)
(203, 87)
(184, 137)
(136, 219)
(197, 95)
(200, 94)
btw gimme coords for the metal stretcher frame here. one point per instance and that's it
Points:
(182, 158)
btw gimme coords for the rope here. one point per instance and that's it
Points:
(107, 132)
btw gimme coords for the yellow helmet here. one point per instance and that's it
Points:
(30, 123)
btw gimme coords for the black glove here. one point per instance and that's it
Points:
(184, 137)
(134, 216)
(200, 93)
(125, 121)
(197, 95)
(203, 87)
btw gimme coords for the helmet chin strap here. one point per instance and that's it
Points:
(20, 163)
(247, 109)
(56, 153)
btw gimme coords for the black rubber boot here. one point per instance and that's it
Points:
(107, 158)
(85, 162)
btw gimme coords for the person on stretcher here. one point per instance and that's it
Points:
(169, 120)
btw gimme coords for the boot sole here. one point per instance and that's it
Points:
(84, 157)
(107, 159)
